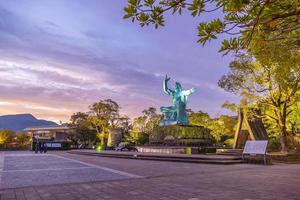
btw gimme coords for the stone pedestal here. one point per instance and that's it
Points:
(181, 135)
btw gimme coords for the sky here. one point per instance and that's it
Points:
(59, 56)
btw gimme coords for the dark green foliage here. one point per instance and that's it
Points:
(65, 145)
(242, 20)
(274, 144)
(137, 139)
(83, 133)
(143, 139)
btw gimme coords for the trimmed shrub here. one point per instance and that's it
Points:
(183, 135)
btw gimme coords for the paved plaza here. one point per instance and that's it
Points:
(63, 176)
(21, 170)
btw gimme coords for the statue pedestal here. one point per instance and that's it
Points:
(181, 135)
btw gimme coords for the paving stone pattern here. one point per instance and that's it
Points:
(170, 181)
(35, 170)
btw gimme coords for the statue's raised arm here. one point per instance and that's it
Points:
(165, 86)
(188, 92)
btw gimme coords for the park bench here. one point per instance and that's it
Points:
(255, 149)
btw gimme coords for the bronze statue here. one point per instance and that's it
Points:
(176, 114)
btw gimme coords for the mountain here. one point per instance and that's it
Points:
(19, 122)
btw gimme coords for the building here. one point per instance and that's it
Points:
(56, 137)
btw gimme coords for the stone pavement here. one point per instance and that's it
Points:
(21, 170)
(141, 179)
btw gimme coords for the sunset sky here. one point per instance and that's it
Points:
(59, 56)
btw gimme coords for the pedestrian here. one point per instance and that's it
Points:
(41, 147)
(45, 148)
(36, 147)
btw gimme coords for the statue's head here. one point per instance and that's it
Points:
(178, 87)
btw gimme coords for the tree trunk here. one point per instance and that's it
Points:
(283, 132)
(283, 139)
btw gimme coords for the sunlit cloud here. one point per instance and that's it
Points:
(5, 103)
(43, 67)
(45, 108)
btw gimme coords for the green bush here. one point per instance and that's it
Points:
(65, 145)
(131, 140)
(143, 138)
(137, 139)
(274, 144)
(229, 142)
(180, 132)
(183, 135)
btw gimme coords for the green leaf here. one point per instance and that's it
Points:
(196, 7)
(233, 44)
(149, 3)
(143, 17)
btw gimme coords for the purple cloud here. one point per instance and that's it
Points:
(52, 56)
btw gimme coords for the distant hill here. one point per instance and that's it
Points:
(19, 122)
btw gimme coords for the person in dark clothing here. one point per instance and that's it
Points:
(41, 147)
(45, 147)
(37, 147)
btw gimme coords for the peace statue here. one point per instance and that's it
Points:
(175, 114)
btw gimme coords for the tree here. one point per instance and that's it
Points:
(152, 119)
(271, 82)
(229, 124)
(293, 120)
(104, 115)
(142, 126)
(6, 137)
(147, 122)
(22, 139)
(101, 126)
(97, 122)
(108, 110)
(199, 118)
(139, 124)
(222, 128)
(242, 20)
(82, 128)
(124, 124)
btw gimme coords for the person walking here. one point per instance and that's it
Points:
(45, 148)
(41, 147)
(37, 146)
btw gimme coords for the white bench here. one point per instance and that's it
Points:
(258, 147)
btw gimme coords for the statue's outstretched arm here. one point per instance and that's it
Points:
(188, 92)
(165, 86)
